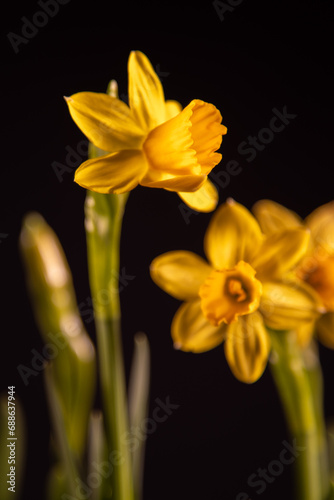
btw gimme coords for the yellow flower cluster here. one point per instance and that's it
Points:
(271, 271)
(245, 287)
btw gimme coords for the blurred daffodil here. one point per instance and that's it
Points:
(151, 142)
(238, 292)
(317, 267)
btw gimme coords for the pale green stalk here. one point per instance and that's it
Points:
(104, 214)
(299, 386)
(72, 474)
(138, 405)
(97, 460)
(313, 370)
(103, 221)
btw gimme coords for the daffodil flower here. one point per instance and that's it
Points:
(151, 142)
(233, 296)
(317, 267)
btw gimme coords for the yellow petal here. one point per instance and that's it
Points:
(274, 217)
(325, 330)
(305, 333)
(192, 332)
(173, 183)
(172, 108)
(146, 95)
(205, 199)
(114, 173)
(233, 235)
(180, 273)
(321, 224)
(280, 252)
(247, 348)
(287, 306)
(106, 121)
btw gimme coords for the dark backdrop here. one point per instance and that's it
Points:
(250, 59)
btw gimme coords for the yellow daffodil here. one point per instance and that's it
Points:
(317, 267)
(151, 142)
(234, 295)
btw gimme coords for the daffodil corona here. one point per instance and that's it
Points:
(151, 142)
(239, 292)
(229, 293)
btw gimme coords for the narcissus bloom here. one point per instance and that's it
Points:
(317, 267)
(234, 295)
(151, 142)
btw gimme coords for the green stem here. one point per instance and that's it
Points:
(304, 416)
(104, 215)
(113, 391)
(138, 405)
(314, 374)
(66, 457)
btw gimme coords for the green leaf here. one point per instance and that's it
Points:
(67, 343)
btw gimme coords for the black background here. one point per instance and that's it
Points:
(263, 55)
